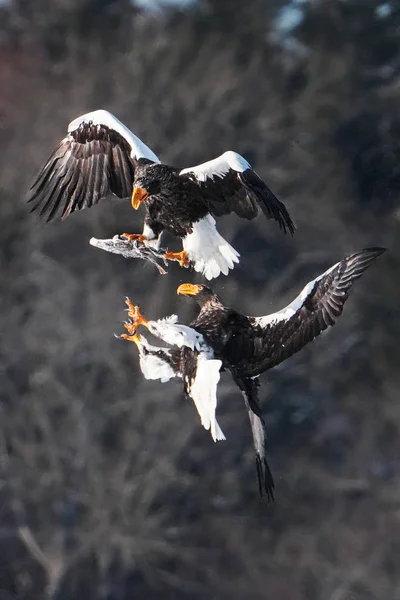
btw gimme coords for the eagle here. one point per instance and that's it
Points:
(101, 156)
(245, 346)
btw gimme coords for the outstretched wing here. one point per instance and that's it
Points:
(229, 184)
(249, 389)
(97, 158)
(317, 307)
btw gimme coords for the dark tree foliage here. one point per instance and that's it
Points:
(109, 487)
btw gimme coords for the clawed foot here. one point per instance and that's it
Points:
(181, 257)
(136, 317)
(138, 237)
(131, 338)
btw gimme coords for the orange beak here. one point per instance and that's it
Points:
(189, 289)
(139, 195)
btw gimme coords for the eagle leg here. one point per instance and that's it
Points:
(135, 237)
(181, 257)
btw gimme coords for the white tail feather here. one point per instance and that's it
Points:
(208, 250)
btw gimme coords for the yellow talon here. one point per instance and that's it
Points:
(134, 236)
(136, 316)
(132, 309)
(132, 338)
(181, 257)
(131, 328)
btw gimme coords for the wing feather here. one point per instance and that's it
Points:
(61, 190)
(97, 158)
(315, 309)
(90, 166)
(201, 385)
(229, 184)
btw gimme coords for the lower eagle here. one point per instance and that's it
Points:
(100, 156)
(221, 338)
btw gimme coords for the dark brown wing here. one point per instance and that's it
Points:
(317, 307)
(92, 162)
(229, 184)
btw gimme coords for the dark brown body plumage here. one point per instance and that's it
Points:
(174, 202)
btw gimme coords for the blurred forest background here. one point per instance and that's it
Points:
(109, 487)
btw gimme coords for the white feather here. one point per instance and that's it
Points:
(154, 367)
(171, 332)
(103, 117)
(208, 250)
(286, 313)
(218, 166)
(151, 239)
(203, 392)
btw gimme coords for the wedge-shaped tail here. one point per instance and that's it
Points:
(249, 389)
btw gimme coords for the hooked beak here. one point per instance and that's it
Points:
(189, 289)
(139, 195)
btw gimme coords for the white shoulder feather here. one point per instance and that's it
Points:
(220, 166)
(286, 313)
(103, 117)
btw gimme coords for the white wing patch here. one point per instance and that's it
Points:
(218, 166)
(202, 389)
(154, 367)
(203, 392)
(103, 117)
(286, 313)
(171, 332)
(208, 250)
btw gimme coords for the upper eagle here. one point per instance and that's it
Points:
(100, 156)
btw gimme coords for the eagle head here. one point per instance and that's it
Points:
(201, 293)
(143, 188)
